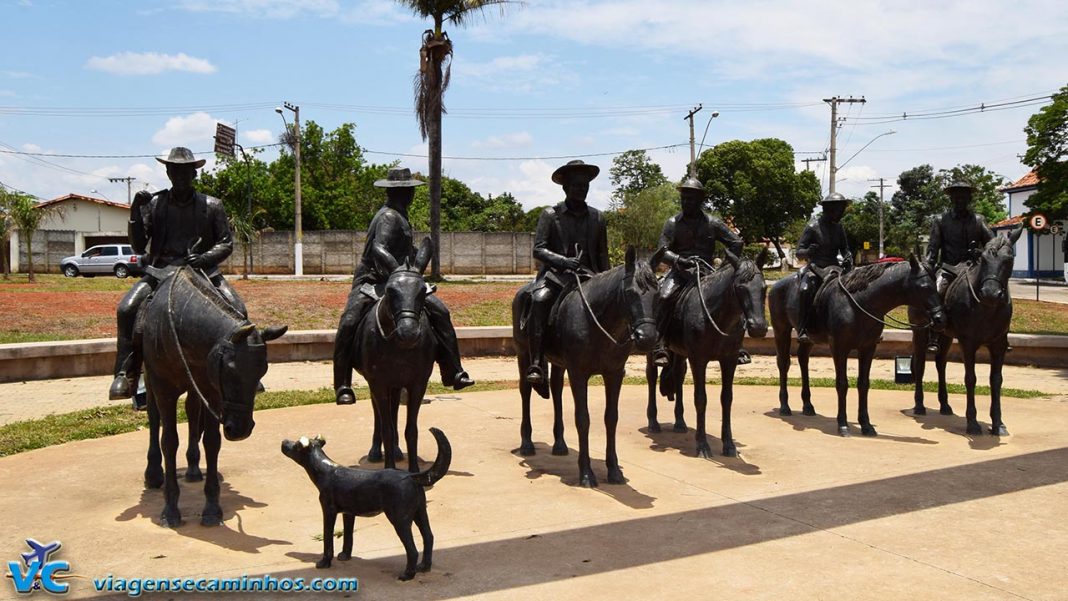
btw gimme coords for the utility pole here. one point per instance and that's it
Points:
(128, 180)
(693, 152)
(882, 186)
(834, 101)
(808, 166)
(298, 245)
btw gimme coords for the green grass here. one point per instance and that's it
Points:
(7, 337)
(485, 313)
(99, 422)
(50, 282)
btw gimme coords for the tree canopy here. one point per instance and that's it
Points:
(755, 185)
(1047, 154)
(633, 172)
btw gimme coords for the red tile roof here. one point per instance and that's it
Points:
(100, 201)
(1028, 181)
(1011, 221)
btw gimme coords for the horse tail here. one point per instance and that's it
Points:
(441, 464)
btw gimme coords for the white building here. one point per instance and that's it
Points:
(82, 220)
(1035, 254)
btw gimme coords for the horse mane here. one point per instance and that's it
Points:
(644, 278)
(862, 277)
(205, 288)
(997, 243)
(746, 271)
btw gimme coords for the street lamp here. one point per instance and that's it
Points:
(298, 245)
(836, 169)
(95, 191)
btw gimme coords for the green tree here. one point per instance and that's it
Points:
(1047, 154)
(918, 199)
(7, 225)
(530, 220)
(435, 66)
(987, 196)
(639, 219)
(631, 173)
(861, 222)
(467, 210)
(27, 216)
(755, 185)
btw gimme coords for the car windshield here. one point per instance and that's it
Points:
(110, 251)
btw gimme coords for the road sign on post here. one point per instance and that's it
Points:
(1039, 222)
(225, 136)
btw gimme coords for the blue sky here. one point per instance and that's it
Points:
(548, 78)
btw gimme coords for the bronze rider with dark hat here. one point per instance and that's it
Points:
(389, 244)
(821, 244)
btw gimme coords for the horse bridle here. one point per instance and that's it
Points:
(897, 323)
(396, 316)
(624, 287)
(708, 315)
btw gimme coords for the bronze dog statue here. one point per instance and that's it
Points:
(357, 492)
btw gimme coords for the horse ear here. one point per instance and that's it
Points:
(654, 261)
(629, 259)
(242, 333)
(762, 258)
(273, 332)
(914, 263)
(732, 258)
(426, 251)
(1014, 235)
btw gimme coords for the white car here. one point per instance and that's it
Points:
(118, 259)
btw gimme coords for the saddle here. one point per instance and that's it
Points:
(568, 287)
(828, 276)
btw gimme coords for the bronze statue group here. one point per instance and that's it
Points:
(188, 331)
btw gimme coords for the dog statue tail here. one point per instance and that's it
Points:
(437, 471)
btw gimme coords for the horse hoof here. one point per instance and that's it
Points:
(704, 452)
(616, 477)
(527, 449)
(153, 480)
(945, 410)
(654, 428)
(843, 431)
(424, 567)
(809, 411)
(868, 431)
(374, 456)
(974, 429)
(170, 520)
(560, 449)
(588, 481)
(730, 451)
(919, 410)
(193, 475)
(343, 556)
(211, 520)
(680, 427)
(785, 411)
(323, 563)
(405, 577)
(397, 454)
(999, 431)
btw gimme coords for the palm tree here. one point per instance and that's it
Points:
(27, 216)
(435, 66)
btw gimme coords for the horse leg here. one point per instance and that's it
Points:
(579, 385)
(918, 365)
(374, 455)
(411, 425)
(394, 404)
(154, 469)
(171, 516)
(804, 351)
(864, 359)
(968, 353)
(944, 343)
(841, 385)
(997, 359)
(526, 443)
(782, 360)
(212, 514)
(700, 405)
(556, 388)
(612, 385)
(650, 381)
(727, 368)
(192, 445)
(678, 374)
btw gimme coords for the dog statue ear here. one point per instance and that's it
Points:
(304, 441)
(322, 441)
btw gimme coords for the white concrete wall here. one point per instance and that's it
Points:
(88, 219)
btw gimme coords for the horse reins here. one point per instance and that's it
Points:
(378, 319)
(181, 354)
(700, 295)
(593, 316)
(897, 322)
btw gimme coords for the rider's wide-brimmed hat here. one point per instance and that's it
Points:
(691, 183)
(399, 177)
(180, 155)
(834, 197)
(577, 168)
(958, 184)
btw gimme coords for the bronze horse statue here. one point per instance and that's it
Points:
(193, 341)
(709, 322)
(978, 309)
(394, 351)
(597, 324)
(849, 313)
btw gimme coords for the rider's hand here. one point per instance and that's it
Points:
(571, 264)
(847, 266)
(197, 261)
(141, 198)
(685, 262)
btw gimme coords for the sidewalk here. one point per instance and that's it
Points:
(30, 400)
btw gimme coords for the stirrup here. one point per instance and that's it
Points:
(535, 375)
(661, 357)
(802, 336)
(345, 396)
(120, 387)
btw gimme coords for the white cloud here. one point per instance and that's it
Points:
(18, 74)
(7, 93)
(517, 140)
(196, 130)
(520, 74)
(364, 11)
(258, 136)
(149, 63)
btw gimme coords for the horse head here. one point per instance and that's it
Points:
(236, 364)
(639, 292)
(922, 290)
(751, 291)
(995, 267)
(404, 296)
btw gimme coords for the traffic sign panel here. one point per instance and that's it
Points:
(1039, 221)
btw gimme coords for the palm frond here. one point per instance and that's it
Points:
(430, 83)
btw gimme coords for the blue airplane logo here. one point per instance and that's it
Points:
(41, 552)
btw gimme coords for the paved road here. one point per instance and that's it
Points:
(1048, 291)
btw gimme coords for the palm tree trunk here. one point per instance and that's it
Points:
(437, 57)
(29, 253)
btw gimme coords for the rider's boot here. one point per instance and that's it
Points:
(744, 358)
(536, 324)
(121, 386)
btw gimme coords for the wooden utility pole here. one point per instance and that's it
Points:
(808, 166)
(882, 186)
(128, 180)
(693, 152)
(834, 101)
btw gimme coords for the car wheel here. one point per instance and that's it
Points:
(121, 271)
(70, 271)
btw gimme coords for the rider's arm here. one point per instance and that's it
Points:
(934, 245)
(732, 241)
(383, 259)
(541, 250)
(808, 240)
(220, 230)
(601, 262)
(139, 228)
(985, 233)
(843, 249)
(667, 239)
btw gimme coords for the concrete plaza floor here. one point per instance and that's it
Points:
(923, 511)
